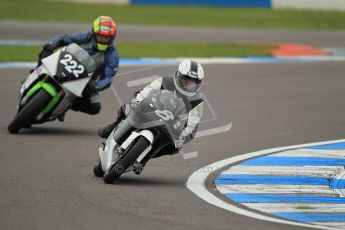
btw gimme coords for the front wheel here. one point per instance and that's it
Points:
(29, 112)
(116, 170)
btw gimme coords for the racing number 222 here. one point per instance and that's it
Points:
(71, 65)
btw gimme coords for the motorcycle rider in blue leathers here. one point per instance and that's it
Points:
(98, 42)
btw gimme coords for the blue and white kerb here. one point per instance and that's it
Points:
(303, 185)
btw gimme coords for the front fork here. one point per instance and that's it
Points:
(126, 135)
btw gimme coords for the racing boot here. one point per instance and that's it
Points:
(105, 131)
(138, 167)
(61, 117)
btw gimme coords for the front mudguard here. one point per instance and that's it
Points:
(110, 153)
(49, 88)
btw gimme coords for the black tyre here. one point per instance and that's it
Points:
(29, 112)
(97, 170)
(140, 144)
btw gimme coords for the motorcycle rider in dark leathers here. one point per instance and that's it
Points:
(186, 83)
(98, 42)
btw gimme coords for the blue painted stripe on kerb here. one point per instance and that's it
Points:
(337, 184)
(311, 217)
(330, 146)
(295, 161)
(282, 198)
(260, 179)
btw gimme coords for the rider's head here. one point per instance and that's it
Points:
(189, 77)
(104, 31)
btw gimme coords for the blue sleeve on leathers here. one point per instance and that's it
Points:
(111, 65)
(78, 37)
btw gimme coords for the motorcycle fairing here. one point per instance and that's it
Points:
(51, 62)
(68, 71)
(110, 154)
(31, 79)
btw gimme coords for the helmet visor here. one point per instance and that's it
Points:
(103, 39)
(187, 83)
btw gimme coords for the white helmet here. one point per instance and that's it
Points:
(189, 77)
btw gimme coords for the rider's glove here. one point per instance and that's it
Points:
(179, 142)
(47, 50)
(90, 89)
(49, 47)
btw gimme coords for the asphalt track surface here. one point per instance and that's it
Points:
(46, 179)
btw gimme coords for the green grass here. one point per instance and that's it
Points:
(163, 50)
(131, 50)
(35, 10)
(19, 53)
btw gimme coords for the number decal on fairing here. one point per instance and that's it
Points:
(71, 65)
(80, 69)
(67, 59)
(165, 114)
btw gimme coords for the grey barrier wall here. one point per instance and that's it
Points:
(277, 4)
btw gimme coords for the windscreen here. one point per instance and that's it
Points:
(82, 56)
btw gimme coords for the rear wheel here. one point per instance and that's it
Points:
(140, 144)
(29, 112)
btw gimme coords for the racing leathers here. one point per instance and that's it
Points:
(107, 63)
